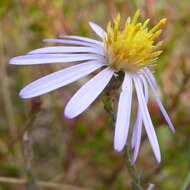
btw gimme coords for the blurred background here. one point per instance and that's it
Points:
(38, 144)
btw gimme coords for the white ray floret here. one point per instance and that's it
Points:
(59, 79)
(162, 109)
(98, 30)
(33, 59)
(88, 93)
(146, 119)
(139, 115)
(83, 39)
(123, 114)
(70, 49)
(151, 77)
(136, 136)
(73, 42)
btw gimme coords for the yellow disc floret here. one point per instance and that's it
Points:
(134, 46)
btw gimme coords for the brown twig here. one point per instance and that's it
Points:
(5, 88)
(31, 182)
(10, 180)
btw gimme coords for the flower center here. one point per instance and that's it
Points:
(133, 47)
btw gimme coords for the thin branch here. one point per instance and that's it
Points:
(108, 106)
(11, 180)
(132, 171)
(5, 88)
(28, 157)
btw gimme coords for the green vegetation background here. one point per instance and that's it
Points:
(38, 144)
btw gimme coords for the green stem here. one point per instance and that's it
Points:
(132, 171)
(31, 182)
(108, 106)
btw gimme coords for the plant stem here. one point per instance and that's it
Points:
(44, 184)
(108, 106)
(132, 171)
(9, 110)
(31, 182)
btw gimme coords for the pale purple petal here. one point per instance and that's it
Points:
(67, 49)
(151, 77)
(58, 79)
(138, 131)
(51, 58)
(138, 125)
(138, 122)
(97, 29)
(72, 42)
(88, 93)
(79, 38)
(146, 119)
(162, 109)
(139, 118)
(123, 114)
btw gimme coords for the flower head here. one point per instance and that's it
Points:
(131, 49)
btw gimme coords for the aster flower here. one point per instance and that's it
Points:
(131, 49)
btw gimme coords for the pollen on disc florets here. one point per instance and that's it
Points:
(133, 47)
